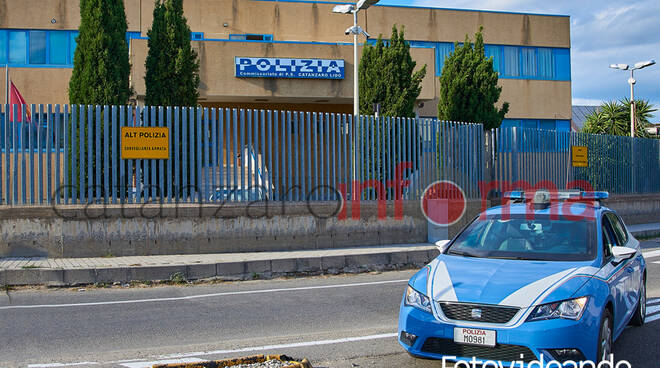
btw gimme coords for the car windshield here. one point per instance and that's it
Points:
(516, 237)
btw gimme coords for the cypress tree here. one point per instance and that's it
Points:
(172, 67)
(101, 68)
(468, 86)
(387, 77)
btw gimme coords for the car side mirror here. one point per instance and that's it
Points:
(442, 245)
(623, 253)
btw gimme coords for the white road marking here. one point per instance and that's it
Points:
(657, 262)
(652, 318)
(653, 309)
(651, 254)
(284, 346)
(50, 365)
(190, 297)
(193, 356)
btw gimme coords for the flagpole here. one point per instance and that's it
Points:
(7, 85)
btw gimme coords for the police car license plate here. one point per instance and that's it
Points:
(474, 336)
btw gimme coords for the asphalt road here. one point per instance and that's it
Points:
(339, 321)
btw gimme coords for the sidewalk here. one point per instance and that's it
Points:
(231, 266)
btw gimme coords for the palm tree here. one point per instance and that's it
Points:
(613, 118)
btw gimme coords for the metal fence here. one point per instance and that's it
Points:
(72, 155)
(543, 159)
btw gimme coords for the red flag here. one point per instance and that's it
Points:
(15, 98)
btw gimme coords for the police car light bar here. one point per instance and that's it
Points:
(599, 196)
(561, 195)
(515, 195)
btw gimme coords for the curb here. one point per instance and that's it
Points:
(244, 360)
(230, 271)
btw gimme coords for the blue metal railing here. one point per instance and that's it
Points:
(539, 158)
(236, 155)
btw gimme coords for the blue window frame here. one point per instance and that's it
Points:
(196, 36)
(512, 62)
(37, 48)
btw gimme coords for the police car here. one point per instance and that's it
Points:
(556, 277)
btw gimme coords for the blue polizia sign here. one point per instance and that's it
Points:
(288, 68)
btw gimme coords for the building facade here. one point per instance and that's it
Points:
(294, 55)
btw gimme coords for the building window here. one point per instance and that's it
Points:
(511, 61)
(250, 37)
(516, 62)
(58, 47)
(37, 47)
(539, 124)
(73, 36)
(17, 47)
(196, 36)
(3, 47)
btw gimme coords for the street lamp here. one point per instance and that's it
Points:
(632, 81)
(355, 30)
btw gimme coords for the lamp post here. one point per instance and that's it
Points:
(632, 81)
(355, 30)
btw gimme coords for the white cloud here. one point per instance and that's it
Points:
(602, 33)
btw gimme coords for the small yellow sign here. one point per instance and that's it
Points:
(579, 155)
(145, 143)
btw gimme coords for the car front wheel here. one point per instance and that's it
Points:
(605, 336)
(640, 312)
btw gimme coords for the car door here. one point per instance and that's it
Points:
(617, 276)
(633, 269)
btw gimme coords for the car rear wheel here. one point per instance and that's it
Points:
(605, 336)
(640, 312)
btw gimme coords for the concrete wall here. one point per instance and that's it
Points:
(189, 229)
(95, 231)
(636, 209)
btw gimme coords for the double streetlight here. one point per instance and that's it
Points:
(355, 31)
(632, 81)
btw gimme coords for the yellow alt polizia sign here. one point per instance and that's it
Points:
(579, 156)
(145, 143)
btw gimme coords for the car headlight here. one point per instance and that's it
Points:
(418, 300)
(567, 309)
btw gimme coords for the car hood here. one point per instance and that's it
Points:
(505, 282)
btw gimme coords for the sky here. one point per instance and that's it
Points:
(602, 33)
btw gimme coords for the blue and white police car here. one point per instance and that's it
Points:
(556, 278)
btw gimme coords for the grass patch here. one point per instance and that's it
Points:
(178, 278)
(29, 267)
